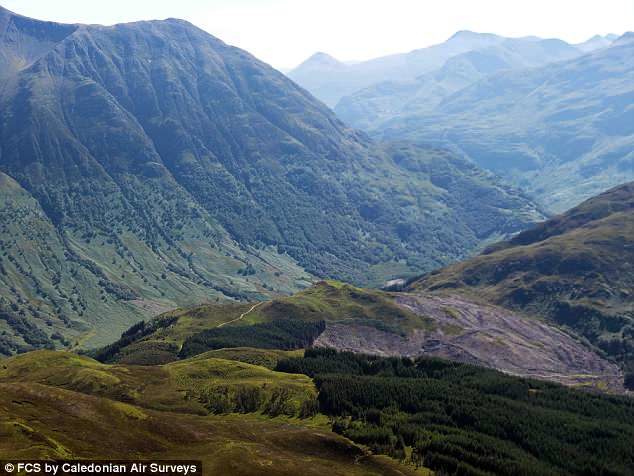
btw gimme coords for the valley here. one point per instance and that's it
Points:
(420, 264)
(181, 170)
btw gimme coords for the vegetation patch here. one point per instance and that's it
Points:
(279, 334)
(460, 419)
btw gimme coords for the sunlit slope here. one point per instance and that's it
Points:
(345, 317)
(59, 405)
(576, 270)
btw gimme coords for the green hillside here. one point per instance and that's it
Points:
(461, 419)
(576, 270)
(318, 411)
(344, 317)
(60, 405)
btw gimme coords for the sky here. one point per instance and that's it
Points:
(286, 32)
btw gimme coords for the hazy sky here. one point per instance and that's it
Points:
(285, 32)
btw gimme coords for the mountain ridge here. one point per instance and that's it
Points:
(369, 108)
(340, 80)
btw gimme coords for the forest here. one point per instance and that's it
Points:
(282, 334)
(460, 419)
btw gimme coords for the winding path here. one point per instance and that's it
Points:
(239, 317)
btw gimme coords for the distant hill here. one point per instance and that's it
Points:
(596, 42)
(576, 270)
(330, 80)
(149, 166)
(564, 132)
(370, 107)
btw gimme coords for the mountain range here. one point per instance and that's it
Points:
(150, 165)
(178, 220)
(330, 80)
(562, 132)
(550, 117)
(274, 383)
(378, 103)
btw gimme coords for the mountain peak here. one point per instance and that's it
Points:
(626, 38)
(464, 34)
(323, 58)
(319, 60)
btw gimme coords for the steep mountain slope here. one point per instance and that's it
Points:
(169, 168)
(23, 40)
(576, 270)
(60, 285)
(347, 318)
(381, 102)
(564, 132)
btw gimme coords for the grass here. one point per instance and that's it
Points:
(62, 405)
(334, 301)
(180, 386)
(39, 421)
(263, 357)
(331, 301)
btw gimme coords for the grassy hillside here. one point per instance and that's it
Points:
(201, 385)
(576, 270)
(59, 405)
(341, 316)
(162, 339)
(243, 419)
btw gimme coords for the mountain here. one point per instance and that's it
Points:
(330, 80)
(576, 270)
(151, 166)
(596, 42)
(563, 132)
(370, 107)
(318, 74)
